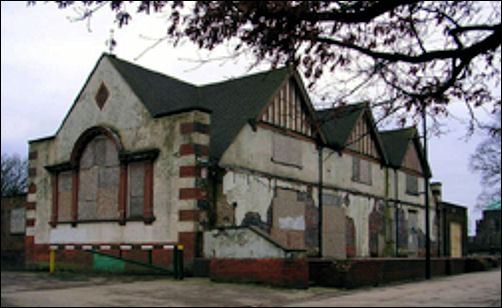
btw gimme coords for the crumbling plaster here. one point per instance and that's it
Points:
(127, 116)
(252, 150)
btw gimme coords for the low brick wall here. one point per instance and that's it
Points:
(276, 272)
(355, 273)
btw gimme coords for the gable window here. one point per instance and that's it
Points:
(411, 184)
(361, 170)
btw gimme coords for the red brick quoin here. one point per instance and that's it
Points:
(277, 272)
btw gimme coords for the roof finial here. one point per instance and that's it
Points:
(111, 42)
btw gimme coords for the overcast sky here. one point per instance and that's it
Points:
(46, 60)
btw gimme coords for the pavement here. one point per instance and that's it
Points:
(23, 289)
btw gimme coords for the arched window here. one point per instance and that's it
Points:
(99, 181)
(103, 182)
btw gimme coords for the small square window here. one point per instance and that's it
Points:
(361, 170)
(411, 185)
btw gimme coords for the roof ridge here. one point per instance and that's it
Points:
(358, 104)
(111, 56)
(397, 129)
(243, 77)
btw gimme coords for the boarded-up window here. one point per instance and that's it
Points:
(17, 221)
(136, 189)
(285, 150)
(413, 233)
(411, 184)
(361, 170)
(99, 181)
(64, 196)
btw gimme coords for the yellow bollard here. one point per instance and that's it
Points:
(52, 261)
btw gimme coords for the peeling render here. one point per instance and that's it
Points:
(250, 193)
(363, 233)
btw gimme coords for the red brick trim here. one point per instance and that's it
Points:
(32, 189)
(194, 127)
(189, 215)
(198, 149)
(30, 222)
(32, 171)
(31, 205)
(29, 246)
(123, 193)
(189, 172)
(87, 136)
(192, 244)
(278, 272)
(54, 212)
(192, 194)
(148, 197)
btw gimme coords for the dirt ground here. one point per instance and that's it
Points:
(21, 289)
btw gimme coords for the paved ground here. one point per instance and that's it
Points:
(40, 289)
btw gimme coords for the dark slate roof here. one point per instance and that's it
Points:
(232, 103)
(396, 143)
(337, 123)
(160, 94)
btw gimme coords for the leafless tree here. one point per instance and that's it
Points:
(486, 160)
(399, 55)
(14, 174)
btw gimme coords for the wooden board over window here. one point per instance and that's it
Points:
(286, 151)
(99, 181)
(361, 170)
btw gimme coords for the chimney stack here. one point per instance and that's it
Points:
(437, 191)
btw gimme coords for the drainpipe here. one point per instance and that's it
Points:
(396, 184)
(426, 188)
(319, 190)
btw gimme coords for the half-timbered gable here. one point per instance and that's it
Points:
(352, 129)
(404, 150)
(362, 139)
(411, 160)
(288, 109)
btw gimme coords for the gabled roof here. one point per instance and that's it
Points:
(160, 94)
(337, 123)
(233, 103)
(396, 144)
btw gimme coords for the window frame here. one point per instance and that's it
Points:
(412, 191)
(124, 158)
(357, 176)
